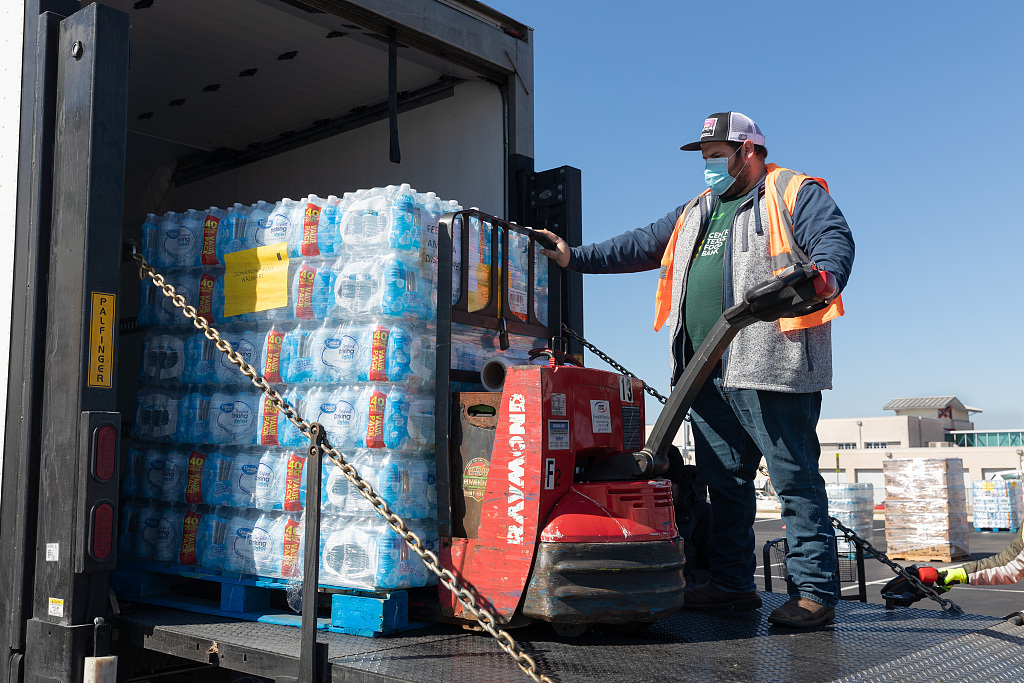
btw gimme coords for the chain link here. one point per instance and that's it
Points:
(612, 362)
(483, 617)
(865, 545)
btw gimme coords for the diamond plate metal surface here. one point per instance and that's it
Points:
(994, 654)
(865, 643)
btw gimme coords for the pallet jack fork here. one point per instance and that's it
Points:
(556, 511)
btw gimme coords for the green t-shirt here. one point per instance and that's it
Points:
(704, 283)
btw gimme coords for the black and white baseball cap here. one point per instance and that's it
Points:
(730, 126)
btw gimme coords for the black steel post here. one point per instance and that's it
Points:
(443, 364)
(28, 325)
(80, 357)
(308, 657)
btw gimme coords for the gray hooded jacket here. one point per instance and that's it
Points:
(761, 356)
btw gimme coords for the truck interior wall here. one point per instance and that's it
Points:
(12, 13)
(453, 147)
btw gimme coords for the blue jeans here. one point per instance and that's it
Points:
(732, 429)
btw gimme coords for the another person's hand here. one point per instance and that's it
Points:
(951, 577)
(560, 254)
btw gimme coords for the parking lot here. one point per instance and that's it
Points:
(995, 601)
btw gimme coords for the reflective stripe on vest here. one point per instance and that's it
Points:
(663, 299)
(781, 188)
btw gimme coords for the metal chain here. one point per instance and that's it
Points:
(946, 604)
(611, 361)
(486, 620)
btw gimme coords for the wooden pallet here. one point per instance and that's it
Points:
(193, 589)
(939, 554)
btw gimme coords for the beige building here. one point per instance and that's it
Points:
(853, 449)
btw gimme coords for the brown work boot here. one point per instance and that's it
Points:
(802, 613)
(708, 596)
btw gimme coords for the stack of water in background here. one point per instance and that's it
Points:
(997, 504)
(925, 509)
(216, 477)
(854, 506)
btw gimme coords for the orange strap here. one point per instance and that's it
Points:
(663, 299)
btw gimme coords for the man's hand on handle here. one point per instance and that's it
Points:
(560, 254)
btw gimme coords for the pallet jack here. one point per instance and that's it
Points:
(556, 511)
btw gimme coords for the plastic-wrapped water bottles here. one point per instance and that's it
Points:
(163, 356)
(280, 482)
(277, 543)
(168, 536)
(134, 468)
(127, 538)
(381, 218)
(238, 554)
(148, 530)
(211, 538)
(231, 231)
(150, 238)
(366, 553)
(248, 345)
(167, 248)
(244, 468)
(193, 424)
(156, 414)
(296, 354)
(288, 435)
(190, 238)
(216, 485)
(278, 225)
(233, 416)
(175, 476)
(311, 295)
(202, 357)
(330, 352)
(211, 225)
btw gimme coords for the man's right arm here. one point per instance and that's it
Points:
(630, 252)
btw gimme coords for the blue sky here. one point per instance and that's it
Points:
(912, 111)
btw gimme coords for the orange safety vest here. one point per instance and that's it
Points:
(781, 188)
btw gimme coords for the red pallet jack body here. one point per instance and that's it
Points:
(526, 511)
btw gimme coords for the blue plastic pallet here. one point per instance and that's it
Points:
(1013, 529)
(353, 611)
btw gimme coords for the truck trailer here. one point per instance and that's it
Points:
(117, 109)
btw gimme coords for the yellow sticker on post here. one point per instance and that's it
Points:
(256, 279)
(101, 340)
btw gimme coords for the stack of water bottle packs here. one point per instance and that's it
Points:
(852, 504)
(217, 477)
(925, 508)
(997, 504)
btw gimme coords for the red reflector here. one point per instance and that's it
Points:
(105, 462)
(102, 531)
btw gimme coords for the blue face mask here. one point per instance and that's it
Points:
(716, 173)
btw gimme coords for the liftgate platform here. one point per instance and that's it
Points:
(865, 643)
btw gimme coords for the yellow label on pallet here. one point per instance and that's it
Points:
(256, 279)
(101, 340)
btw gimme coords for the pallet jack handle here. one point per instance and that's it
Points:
(798, 290)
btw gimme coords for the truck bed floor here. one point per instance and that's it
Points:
(865, 643)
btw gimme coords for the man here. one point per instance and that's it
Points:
(764, 397)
